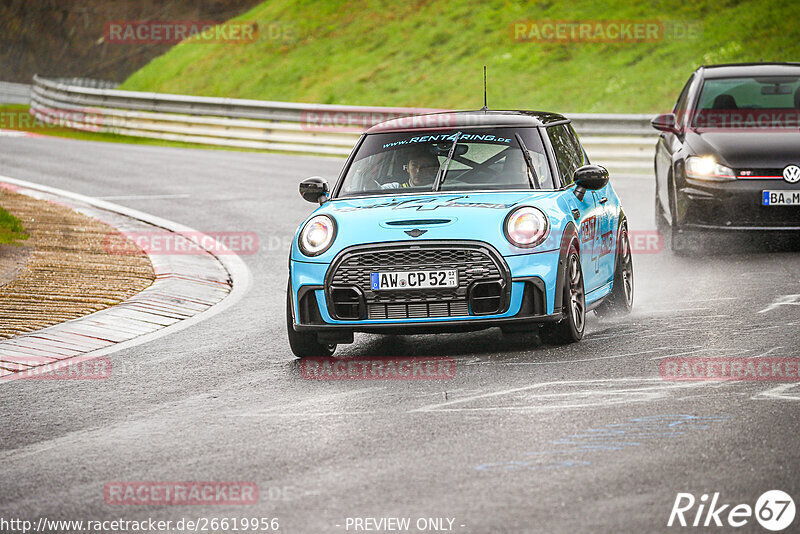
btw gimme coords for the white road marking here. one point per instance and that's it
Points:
(766, 352)
(785, 300)
(675, 355)
(299, 414)
(633, 394)
(740, 332)
(529, 387)
(704, 349)
(778, 393)
(443, 393)
(142, 197)
(638, 333)
(313, 402)
(691, 300)
(585, 359)
(694, 317)
(673, 310)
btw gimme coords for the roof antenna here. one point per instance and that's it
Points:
(485, 105)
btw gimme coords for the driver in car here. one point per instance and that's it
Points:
(421, 168)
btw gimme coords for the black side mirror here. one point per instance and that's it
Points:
(665, 122)
(589, 177)
(314, 189)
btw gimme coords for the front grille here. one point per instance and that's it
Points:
(761, 174)
(418, 310)
(473, 262)
(744, 210)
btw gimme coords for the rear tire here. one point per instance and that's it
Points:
(620, 301)
(571, 327)
(303, 344)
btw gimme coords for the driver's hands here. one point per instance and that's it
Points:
(391, 185)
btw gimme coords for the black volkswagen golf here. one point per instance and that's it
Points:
(728, 157)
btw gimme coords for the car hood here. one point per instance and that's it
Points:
(748, 148)
(458, 216)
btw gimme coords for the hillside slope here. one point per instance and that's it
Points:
(429, 53)
(65, 39)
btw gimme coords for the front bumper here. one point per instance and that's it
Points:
(529, 291)
(734, 205)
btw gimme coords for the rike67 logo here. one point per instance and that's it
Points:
(774, 510)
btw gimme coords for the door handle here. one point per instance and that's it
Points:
(603, 200)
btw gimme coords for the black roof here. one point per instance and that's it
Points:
(733, 70)
(464, 119)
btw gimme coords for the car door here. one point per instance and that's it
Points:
(669, 143)
(568, 157)
(606, 208)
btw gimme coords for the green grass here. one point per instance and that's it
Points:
(430, 54)
(11, 229)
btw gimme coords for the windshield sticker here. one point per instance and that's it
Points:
(428, 204)
(488, 138)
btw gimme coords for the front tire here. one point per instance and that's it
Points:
(620, 301)
(679, 240)
(662, 225)
(569, 329)
(303, 344)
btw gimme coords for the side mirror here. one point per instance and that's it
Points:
(589, 177)
(665, 122)
(314, 189)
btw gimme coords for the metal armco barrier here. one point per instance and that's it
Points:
(623, 143)
(14, 93)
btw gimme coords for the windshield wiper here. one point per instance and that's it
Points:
(442, 173)
(532, 177)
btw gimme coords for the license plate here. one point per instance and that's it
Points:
(414, 279)
(780, 198)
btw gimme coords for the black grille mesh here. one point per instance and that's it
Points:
(472, 264)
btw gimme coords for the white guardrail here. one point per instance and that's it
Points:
(15, 93)
(623, 143)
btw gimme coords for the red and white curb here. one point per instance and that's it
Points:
(187, 290)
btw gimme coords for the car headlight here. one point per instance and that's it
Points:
(317, 235)
(707, 168)
(526, 227)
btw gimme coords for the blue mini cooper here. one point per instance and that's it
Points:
(459, 221)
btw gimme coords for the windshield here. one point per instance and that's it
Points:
(769, 101)
(479, 159)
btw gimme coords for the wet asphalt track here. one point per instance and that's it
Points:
(525, 438)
